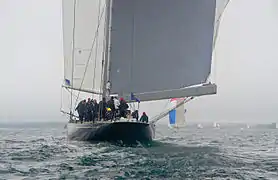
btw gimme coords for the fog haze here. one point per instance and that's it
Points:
(245, 63)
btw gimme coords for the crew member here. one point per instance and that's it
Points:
(123, 108)
(81, 110)
(102, 108)
(144, 118)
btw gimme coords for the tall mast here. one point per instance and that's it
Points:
(106, 78)
(72, 57)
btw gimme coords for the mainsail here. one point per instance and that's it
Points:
(148, 37)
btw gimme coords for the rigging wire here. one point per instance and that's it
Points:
(90, 54)
(69, 107)
(73, 94)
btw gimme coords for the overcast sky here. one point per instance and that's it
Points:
(246, 63)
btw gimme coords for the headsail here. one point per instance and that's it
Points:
(83, 42)
(148, 37)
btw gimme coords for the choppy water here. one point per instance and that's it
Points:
(41, 151)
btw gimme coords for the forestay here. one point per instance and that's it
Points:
(149, 38)
(83, 28)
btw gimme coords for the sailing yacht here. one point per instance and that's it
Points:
(216, 125)
(199, 126)
(124, 48)
(177, 116)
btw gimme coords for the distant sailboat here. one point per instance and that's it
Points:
(216, 125)
(124, 48)
(177, 116)
(273, 125)
(247, 127)
(199, 126)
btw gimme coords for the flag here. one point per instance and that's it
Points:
(133, 98)
(67, 82)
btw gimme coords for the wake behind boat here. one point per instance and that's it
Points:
(115, 48)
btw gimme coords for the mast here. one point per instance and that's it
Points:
(72, 56)
(106, 61)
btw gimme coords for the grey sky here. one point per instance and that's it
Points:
(31, 58)
(246, 62)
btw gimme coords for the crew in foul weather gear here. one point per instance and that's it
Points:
(111, 105)
(88, 110)
(116, 104)
(102, 108)
(81, 110)
(144, 118)
(95, 110)
(135, 115)
(123, 108)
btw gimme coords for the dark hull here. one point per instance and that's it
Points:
(125, 132)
